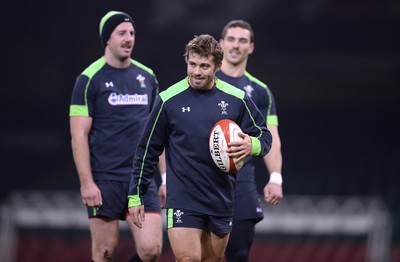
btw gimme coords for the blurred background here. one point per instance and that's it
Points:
(334, 69)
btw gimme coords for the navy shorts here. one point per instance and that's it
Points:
(185, 218)
(115, 200)
(247, 202)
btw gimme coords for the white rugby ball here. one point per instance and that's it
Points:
(223, 132)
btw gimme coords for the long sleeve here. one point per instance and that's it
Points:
(254, 125)
(150, 147)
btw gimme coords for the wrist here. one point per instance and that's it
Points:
(255, 146)
(276, 178)
(163, 179)
(134, 201)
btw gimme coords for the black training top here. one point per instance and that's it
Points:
(181, 121)
(119, 101)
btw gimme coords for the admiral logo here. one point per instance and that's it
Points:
(217, 151)
(118, 99)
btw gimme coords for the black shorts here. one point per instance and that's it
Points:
(177, 217)
(115, 200)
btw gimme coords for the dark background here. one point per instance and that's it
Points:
(333, 66)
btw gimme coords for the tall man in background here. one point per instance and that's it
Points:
(110, 105)
(237, 41)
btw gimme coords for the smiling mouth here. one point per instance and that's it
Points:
(234, 53)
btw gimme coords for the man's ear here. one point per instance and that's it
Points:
(251, 49)
(218, 67)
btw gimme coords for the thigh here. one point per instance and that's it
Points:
(185, 243)
(213, 245)
(104, 232)
(150, 235)
(215, 238)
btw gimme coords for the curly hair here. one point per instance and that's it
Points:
(205, 46)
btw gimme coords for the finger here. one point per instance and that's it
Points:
(242, 135)
(138, 223)
(99, 199)
(239, 158)
(267, 197)
(142, 215)
(135, 220)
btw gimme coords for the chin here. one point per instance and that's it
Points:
(125, 57)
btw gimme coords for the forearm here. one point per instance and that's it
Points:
(144, 168)
(273, 160)
(161, 163)
(81, 154)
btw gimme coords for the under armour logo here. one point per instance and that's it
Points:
(186, 109)
(109, 84)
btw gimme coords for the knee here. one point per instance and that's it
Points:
(150, 252)
(104, 252)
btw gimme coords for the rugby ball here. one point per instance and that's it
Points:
(223, 132)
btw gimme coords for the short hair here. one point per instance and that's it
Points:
(204, 45)
(238, 23)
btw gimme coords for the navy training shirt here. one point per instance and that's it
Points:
(119, 101)
(181, 121)
(264, 100)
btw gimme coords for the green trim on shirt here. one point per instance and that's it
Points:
(229, 89)
(142, 66)
(175, 89)
(76, 110)
(134, 201)
(255, 146)
(272, 120)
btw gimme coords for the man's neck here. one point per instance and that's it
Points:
(116, 63)
(233, 70)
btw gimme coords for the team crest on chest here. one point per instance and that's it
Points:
(141, 79)
(248, 89)
(224, 107)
